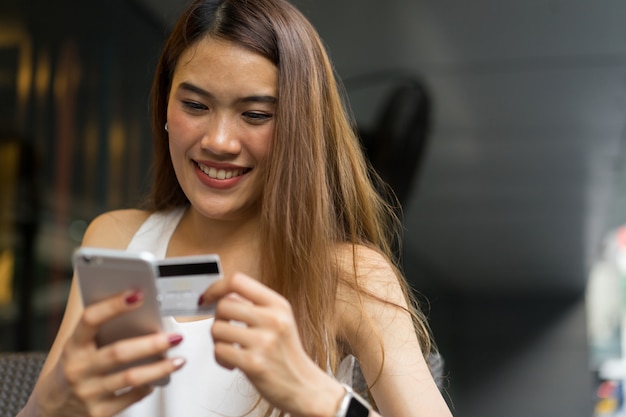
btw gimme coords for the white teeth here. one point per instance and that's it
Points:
(220, 174)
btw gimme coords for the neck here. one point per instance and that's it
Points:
(235, 241)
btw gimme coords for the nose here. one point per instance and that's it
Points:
(221, 136)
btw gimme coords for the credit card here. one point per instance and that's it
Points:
(182, 280)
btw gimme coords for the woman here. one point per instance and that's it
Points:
(256, 161)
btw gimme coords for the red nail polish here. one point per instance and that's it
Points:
(133, 298)
(174, 339)
(201, 300)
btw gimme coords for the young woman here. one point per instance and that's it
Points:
(256, 160)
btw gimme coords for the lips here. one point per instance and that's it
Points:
(221, 173)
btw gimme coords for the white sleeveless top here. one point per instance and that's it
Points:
(201, 388)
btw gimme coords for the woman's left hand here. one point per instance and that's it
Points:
(255, 331)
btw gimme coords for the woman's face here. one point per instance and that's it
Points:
(220, 119)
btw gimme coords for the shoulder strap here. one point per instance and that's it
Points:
(155, 233)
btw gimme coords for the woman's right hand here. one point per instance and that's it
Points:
(82, 382)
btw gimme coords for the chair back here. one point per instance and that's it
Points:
(18, 374)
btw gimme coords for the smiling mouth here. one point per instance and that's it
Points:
(221, 173)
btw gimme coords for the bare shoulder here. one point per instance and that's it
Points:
(364, 258)
(114, 229)
(371, 271)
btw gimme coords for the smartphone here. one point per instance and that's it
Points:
(102, 273)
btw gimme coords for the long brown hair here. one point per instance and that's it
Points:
(319, 190)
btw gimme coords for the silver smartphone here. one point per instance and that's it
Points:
(102, 273)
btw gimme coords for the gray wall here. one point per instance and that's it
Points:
(514, 339)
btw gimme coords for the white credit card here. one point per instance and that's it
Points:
(182, 280)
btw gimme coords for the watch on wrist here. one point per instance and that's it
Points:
(352, 404)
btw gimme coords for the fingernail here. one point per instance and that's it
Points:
(133, 298)
(174, 339)
(178, 362)
(201, 300)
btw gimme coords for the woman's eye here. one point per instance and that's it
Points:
(257, 117)
(192, 105)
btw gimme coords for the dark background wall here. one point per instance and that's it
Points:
(74, 89)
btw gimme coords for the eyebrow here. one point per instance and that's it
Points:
(249, 99)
